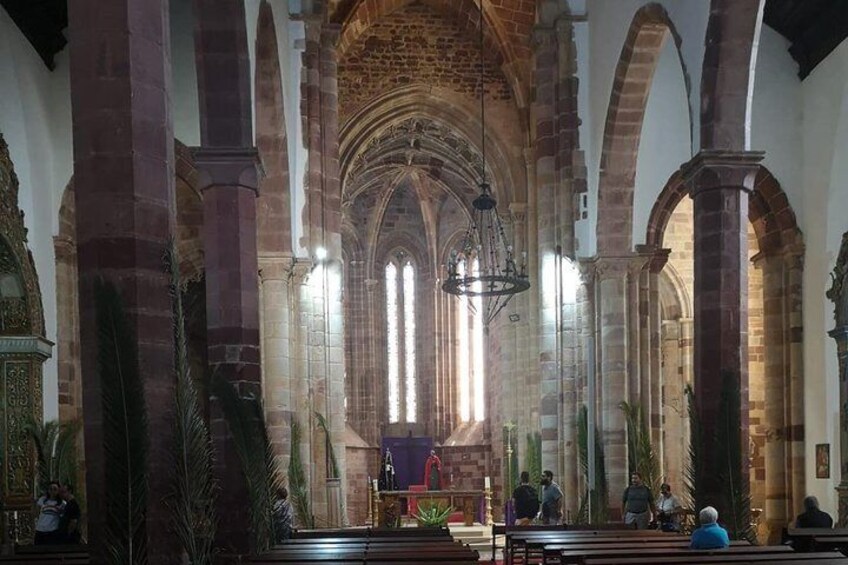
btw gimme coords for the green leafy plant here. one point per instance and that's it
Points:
(56, 451)
(194, 490)
(245, 420)
(298, 487)
(600, 494)
(533, 458)
(695, 470)
(736, 495)
(333, 468)
(125, 437)
(641, 456)
(432, 514)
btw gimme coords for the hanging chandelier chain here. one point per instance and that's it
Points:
(482, 101)
(484, 265)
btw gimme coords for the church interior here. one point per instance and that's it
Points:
(474, 237)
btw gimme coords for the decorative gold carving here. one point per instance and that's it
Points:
(838, 292)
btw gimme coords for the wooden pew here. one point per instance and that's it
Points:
(817, 539)
(529, 546)
(48, 555)
(785, 558)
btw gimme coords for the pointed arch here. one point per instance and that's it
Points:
(650, 29)
(273, 206)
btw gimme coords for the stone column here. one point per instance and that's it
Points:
(720, 182)
(793, 280)
(275, 274)
(124, 184)
(612, 283)
(777, 509)
(227, 179)
(67, 306)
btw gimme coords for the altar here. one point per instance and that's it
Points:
(472, 503)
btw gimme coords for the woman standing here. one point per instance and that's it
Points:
(50, 509)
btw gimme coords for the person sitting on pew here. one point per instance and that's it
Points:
(710, 535)
(668, 510)
(638, 503)
(813, 517)
(526, 501)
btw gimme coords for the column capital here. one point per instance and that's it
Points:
(657, 257)
(274, 266)
(518, 211)
(713, 169)
(227, 167)
(299, 270)
(610, 267)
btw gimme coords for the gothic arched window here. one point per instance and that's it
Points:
(471, 366)
(400, 325)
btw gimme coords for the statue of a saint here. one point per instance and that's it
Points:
(387, 479)
(433, 472)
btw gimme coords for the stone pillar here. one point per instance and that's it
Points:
(612, 284)
(793, 280)
(67, 339)
(720, 182)
(124, 185)
(777, 509)
(275, 274)
(227, 179)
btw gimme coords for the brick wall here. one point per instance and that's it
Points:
(416, 45)
(362, 463)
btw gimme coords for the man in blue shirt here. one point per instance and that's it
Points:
(710, 535)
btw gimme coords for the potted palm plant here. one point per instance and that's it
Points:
(432, 514)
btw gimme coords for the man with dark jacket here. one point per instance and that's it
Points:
(526, 501)
(813, 517)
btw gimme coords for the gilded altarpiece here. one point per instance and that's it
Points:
(23, 350)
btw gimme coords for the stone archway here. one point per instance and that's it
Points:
(775, 399)
(650, 29)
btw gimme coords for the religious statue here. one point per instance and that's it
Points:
(838, 292)
(387, 480)
(433, 472)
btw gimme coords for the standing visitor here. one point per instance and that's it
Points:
(526, 501)
(638, 503)
(551, 500)
(69, 526)
(668, 510)
(50, 508)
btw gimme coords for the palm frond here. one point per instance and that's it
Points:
(298, 487)
(695, 471)
(334, 466)
(250, 440)
(125, 439)
(640, 450)
(736, 495)
(600, 494)
(194, 490)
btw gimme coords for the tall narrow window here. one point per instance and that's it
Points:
(393, 339)
(472, 398)
(400, 326)
(409, 339)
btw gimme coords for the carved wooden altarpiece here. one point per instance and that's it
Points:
(838, 294)
(23, 350)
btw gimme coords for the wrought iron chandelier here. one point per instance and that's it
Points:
(484, 264)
